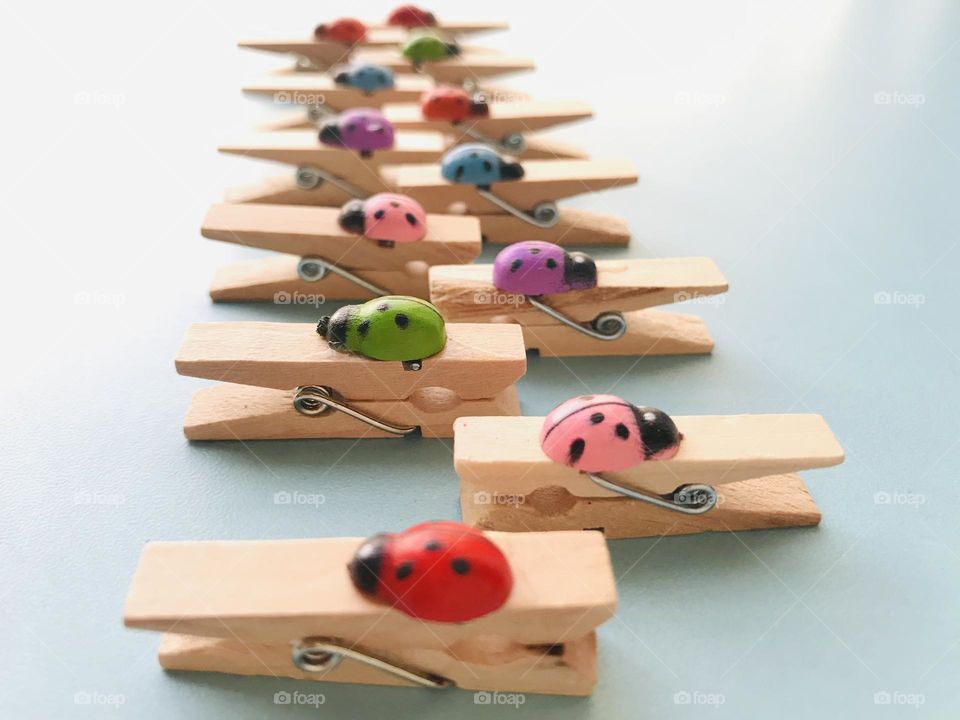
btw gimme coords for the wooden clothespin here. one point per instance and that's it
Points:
(322, 93)
(470, 65)
(517, 201)
(283, 380)
(373, 257)
(288, 608)
(729, 472)
(585, 307)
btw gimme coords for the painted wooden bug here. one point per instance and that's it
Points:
(365, 77)
(476, 164)
(452, 104)
(362, 129)
(392, 327)
(411, 16)
(427, 47)
(435, 571)
(387, 218)
(541, 268)
(344, 30)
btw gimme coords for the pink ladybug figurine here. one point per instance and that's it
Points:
(542, 268)
(360, 129)
(604, 433)
(387, 218)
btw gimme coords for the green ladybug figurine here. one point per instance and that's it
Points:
(425, 47)
(392, 327)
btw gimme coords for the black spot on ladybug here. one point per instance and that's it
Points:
(461, 566)
(401, 320)
(404, 570)
(487, 166)
(382, 307)
(576, 449)
(622, 431)
(516, 265)
(379, 214)
(363, 328)
(534, 251)
(351, 127)
(394, 203)
(459, 173)
(411, 219)
(433, 545)
(596, 418)
(551, 263)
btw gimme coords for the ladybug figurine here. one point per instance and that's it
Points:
(344, 30)
(410, 16)
(476, 164)
(365, 77)
(387, 218)
(452, 104)
(542, 268)
(435, 571)
(393, 327)
(360, 129)
(604, 433)
(426, 47)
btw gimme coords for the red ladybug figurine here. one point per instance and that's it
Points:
(452, 104)
(344, 30)
(410, 16)
(437, 571)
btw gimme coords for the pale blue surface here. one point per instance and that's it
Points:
(759, 141)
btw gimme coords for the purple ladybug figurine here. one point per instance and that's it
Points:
(542, 268)
(360, 129)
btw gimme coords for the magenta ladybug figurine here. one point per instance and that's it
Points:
(604, 433)
(360, 129)
(387, 218)
(541, 268)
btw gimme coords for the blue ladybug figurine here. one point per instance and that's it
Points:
(477, 164)
(366, 77)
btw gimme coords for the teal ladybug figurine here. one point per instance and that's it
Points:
(392, 327)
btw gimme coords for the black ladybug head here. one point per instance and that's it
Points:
(367, 563)
(479, 106)
(579, 270)
(330, 132)
(657, 430)
(320, 31)
(342, 77)
(510, 170)
(452, 49)
(352, 217)
(334, 327)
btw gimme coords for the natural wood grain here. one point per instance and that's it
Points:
(466, 66)
(477, 362)
(576, 227)
(242, 412)
(283, 190)
(314, 231)
(301, 147)
(467, 292)
(275, 279)
(503, 118)
(504, 455)
(543, 180)
(777, 501)
(278, 591)
(471, 666)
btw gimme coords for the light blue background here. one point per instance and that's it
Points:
(760, 140)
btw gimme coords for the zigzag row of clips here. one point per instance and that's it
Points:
(401, 162)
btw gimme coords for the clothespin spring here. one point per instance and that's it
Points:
(316, 654)
(686, 499)
(313, 268)
(606, 326)
(316, 400)
(310, 178)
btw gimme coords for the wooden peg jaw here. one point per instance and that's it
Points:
(542, 640)
(315, 232)
(503, 117)
(543, 180)
(469, 65)
(261, 364)
(507, 481)
(309, 89)
(627, 286)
